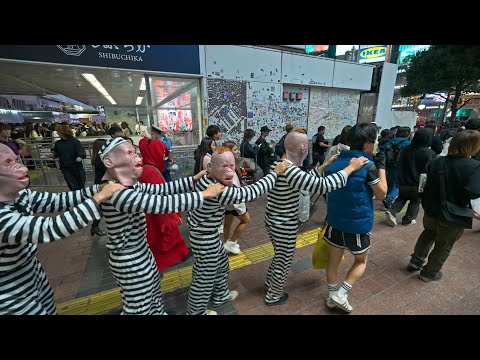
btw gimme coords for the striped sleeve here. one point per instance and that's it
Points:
(301, 180)
(173, 187)
(49, 202)
(233, 195)
(16, 228)
(132, 201)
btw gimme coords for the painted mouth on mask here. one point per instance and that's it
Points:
(137, 166)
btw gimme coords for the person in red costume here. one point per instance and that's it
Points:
(163, 236)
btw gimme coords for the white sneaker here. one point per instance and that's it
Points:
(330, 304)
(220, 229)
(413, 222)
(342, 303)
(211, 312)
(231, 296)
(232, 247)
(390, 220)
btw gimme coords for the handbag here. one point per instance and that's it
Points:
(452, 213)
(304, 206)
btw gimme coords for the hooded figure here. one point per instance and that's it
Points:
(163, 236)
(412, 162)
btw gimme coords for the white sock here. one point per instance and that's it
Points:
(344, 289)
(332, 289)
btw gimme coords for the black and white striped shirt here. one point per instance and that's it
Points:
(20, 231)
(125, 212)
(283, 199)
(208, 218)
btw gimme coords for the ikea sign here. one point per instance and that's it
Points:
(372, 53)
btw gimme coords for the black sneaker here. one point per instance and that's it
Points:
(430, 277)
(280, 301)
(387, 204)
(414, 265)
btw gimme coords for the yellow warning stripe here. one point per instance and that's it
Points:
(110, 300)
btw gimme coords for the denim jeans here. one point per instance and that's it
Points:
(392, 182)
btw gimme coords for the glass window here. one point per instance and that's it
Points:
(177, 108)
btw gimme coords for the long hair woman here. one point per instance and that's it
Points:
(204, 154)
(237, 210)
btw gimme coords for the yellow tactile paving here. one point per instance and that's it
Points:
(110, 300)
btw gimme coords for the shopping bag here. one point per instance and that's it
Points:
(321, 252)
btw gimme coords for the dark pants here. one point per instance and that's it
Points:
(407, 193)
(166, 175)
(440, 235)
(75, 178)
(317, 158)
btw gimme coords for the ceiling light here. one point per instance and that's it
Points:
(96, 84)
(139, 100)
(142, 84)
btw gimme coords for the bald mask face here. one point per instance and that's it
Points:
(222, 167)
(13, 174)
(123, 164)
(296, 147)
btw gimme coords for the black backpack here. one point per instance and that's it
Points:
(392, 154)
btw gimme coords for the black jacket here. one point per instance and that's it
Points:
(265, 153)
(462, 184)
(67, 151)
(247, 150)
(413, 162)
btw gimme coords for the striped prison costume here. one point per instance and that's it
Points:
(281, 219)
(130, 258)
(24, 288)
(210, 269)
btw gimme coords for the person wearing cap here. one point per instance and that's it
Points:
(131, 260)
(24, 287)
(319, 147)
(265, 152)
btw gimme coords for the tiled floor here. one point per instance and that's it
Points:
(78, 267)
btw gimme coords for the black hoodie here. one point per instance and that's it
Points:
(415, 157)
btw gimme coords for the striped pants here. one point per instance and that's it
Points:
(209, 274)
(137, 276)
(26, 291)
(284, 240)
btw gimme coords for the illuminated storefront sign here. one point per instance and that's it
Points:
(316, 48)
(372, 53)
(405, 52)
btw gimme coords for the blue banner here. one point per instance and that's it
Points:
(184, 59)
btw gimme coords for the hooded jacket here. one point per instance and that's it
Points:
(413, 159)
(163, 235)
